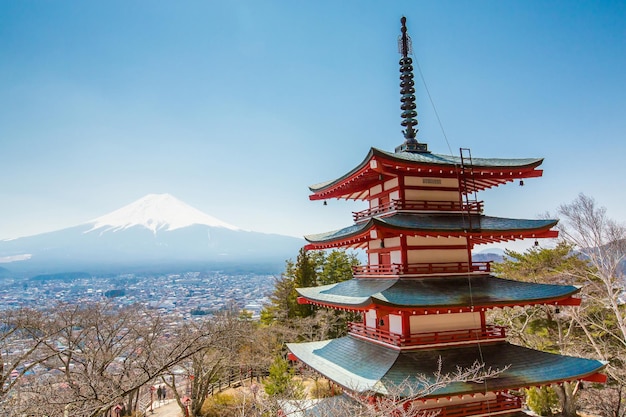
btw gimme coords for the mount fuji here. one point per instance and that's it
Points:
(155, 212)
(153, 234)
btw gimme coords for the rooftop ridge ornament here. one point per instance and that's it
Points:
(407, 91)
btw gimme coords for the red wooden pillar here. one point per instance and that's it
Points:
(406, 324)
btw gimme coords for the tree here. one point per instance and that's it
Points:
(554, 265)
(544, 327)
(280, 383)
(304, 275)
(601, 241)
(100, 356)
(261, 345)
(336, 266)
(195, 377)
(283, 300)
(399, 401)
(590, 253)
(540, 327)
(310, 269)
(542, 400)
(24, 335)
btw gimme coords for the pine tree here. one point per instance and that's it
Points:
(310, 269)
(336, 266)
(305, 275)
(280, 382)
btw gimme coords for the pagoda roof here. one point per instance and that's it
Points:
(319, 407)
(481, 229)
(434, 293)
(364, 367)
(485, 172)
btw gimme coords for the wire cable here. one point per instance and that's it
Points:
(459, 167)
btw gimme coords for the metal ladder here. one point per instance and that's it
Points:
(467, 183)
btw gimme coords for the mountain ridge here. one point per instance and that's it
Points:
(157, 229)
(156, 212)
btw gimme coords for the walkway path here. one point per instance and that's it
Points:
(167, 408)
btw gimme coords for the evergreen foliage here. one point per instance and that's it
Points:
(336, 266)
(310, 269)
(281, 383)
(304, 275)
(542, 401)
(546, 327)
(542, 265)
(592, 330)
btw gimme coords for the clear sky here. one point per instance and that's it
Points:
(236, 107)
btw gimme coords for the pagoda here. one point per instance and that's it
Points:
(421, 299)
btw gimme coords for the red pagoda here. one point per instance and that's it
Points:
(421, 298)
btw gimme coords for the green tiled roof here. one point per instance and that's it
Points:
(435, 292)
(434, 159)
(319, 407)
(436, 222)
(324, 407)
(362, 366)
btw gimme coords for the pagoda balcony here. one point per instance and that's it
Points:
(416, 340)
(503, 404)
(473, 207)
(421, 268)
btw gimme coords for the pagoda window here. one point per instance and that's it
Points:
(392, 242)
(371, 319)
(431, 182)
(444, 322)
(431, 195)
(376, 244)
(417, 241)
(395, 324)
(444, 255)
(395, 257)
(377, 189)
(391, 184)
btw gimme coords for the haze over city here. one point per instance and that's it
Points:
(237, 107)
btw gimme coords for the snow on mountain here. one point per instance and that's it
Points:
(155, 212)
(494, 250)
(156, 233)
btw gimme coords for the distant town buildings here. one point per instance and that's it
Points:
(180, 295)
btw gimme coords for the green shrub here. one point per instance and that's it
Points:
(542, 401)
(281, 383)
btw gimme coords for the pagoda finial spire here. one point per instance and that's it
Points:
(407, 91)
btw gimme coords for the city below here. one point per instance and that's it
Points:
(180, 295)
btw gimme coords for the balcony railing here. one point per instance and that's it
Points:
(421, 268)
(475, 207)
(427, 338)
(502, 403)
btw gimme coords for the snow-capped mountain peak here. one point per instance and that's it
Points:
(155, 212)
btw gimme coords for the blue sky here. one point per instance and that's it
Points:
(236, 107)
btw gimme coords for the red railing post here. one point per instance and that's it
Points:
(416, 339)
